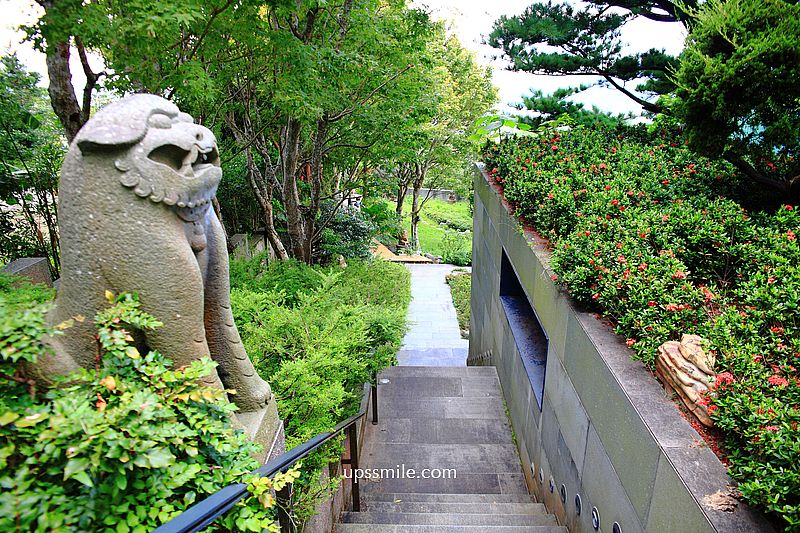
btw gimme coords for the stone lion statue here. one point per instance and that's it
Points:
(135, 215)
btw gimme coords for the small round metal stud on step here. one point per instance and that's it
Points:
(595, 518)
(563, 492)
(616, 528)
(552, 484)
(578, 504)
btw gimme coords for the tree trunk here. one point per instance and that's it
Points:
(415, 219)
(61, 91)
(295, 221)
(416, 206)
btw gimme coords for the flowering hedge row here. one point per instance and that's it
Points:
(653, 236)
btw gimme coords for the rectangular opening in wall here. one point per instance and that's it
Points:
(528, 333)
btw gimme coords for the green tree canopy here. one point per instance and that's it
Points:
(561, 39)
(738, 88)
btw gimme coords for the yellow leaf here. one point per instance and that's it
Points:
(30, 420)
(109, 382)
(79, 318)
(8, 417)
(109, 296)
(132, 352)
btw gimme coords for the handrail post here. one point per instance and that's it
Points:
(375, 401)
(352, 436)
(284, 500)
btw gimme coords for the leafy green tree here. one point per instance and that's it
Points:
(31, 151)
(585, 41)
(461, 92)
(548, 107)
(738, 92)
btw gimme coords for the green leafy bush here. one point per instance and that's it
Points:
(657, 239)
(320, 347)
(460, 290)
(457, 248)
(348, 232)
(122, 447)
(317, 350)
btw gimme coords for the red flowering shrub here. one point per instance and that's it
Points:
(656, 238)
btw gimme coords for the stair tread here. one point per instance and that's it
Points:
(400, 506)
(446, 497)
(404, 528)
(449, 519)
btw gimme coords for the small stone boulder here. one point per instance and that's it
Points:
(688, 369)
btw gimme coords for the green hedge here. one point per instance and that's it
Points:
(653, 236)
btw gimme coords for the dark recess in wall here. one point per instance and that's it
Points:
(528, 334)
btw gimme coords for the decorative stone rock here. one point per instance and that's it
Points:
(135, 216)
(687, 368)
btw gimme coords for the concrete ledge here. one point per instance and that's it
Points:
(606, 430)
(35, 269)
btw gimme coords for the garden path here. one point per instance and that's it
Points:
(434, 338)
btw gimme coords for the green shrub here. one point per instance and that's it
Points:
(123, 447)
(288, 278)
(348, 233)
(457, 248)
(460, 290)
(318, 350)
(317, 353)
(657, 239)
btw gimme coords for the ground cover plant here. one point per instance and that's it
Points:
(125, 446)
(460, 289)
(664, 242)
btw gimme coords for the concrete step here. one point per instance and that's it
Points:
(449, 460)
(440, 431)
(402, 528)
(464, 483)
(445, 498)
(439, 371)
(465, 508)
(449, 519)
(464, 408)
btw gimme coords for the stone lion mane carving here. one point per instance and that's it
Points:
(135, 215)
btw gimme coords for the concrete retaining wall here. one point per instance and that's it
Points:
(606, 431)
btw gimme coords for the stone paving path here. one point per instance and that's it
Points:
(434, 338)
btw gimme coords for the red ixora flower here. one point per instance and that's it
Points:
(724, 378)
(772, 429)
(778, 330)
(630, 342)
(777, 380)
(672, 307)
(679, 275)
(712, 408)
(790, 235)
(614, 202)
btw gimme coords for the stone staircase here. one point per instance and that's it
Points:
(444, 418)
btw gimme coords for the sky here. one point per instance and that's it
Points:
(470, 20)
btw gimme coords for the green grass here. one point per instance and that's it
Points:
(460, 290)
(431, 231)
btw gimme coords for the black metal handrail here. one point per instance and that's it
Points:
(203, 513)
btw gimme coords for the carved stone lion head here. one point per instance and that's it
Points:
(169, 159)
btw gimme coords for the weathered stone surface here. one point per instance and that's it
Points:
(686, 368)
(34, 269)
(135, 215)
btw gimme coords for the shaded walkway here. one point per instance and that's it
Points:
(434, 338)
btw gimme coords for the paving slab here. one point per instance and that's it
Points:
(433, 338)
